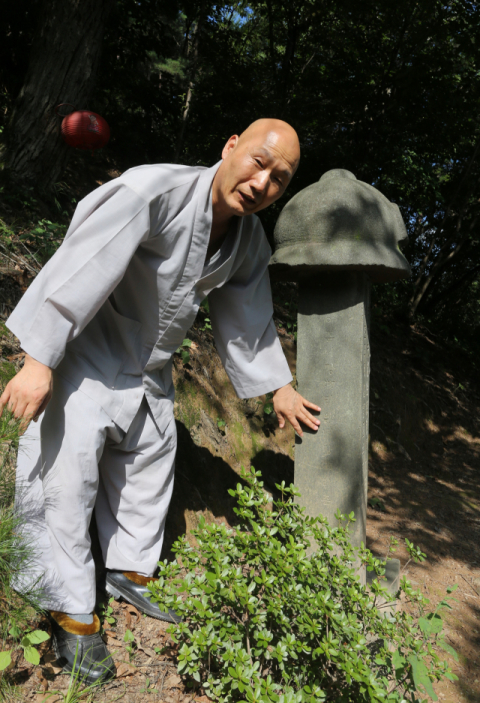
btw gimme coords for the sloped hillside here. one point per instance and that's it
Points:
(424, 479)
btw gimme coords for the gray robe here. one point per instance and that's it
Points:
(116, 300)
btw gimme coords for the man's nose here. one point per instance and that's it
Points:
(260, 181)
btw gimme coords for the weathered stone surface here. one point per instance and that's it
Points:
(392, 575)
(339, 223)
(335, 237)
(333, 371)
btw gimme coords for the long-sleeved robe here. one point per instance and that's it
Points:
(113, 304)
(107, 313)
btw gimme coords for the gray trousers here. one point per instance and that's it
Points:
(75, 460)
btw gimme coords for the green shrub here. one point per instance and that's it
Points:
(265, 622)
(17, 611)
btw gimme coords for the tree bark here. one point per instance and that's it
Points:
(63, 64)
(192, 52)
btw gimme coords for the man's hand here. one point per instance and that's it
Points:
(290, 405)
(29, 391)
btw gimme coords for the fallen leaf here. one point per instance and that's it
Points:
(49, 657)
(132, 609)
(42, 680)
(128, 619)
(172, 681)
(110, 633)
(149, 652)
(124, 669)
(113, 642)
(52, 669)
(47, 698)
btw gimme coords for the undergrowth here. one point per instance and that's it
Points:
(265, 622)
(16, 610)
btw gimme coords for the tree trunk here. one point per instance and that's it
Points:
(192, 54)
(63, 63)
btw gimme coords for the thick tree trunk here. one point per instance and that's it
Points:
(62, 68)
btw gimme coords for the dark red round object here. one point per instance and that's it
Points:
(83, 129)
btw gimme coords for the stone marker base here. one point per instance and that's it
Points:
(392, 583)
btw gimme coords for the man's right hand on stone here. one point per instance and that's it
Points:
(28, 393)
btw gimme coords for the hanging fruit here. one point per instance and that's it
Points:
(84, 129)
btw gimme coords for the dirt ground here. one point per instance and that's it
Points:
(424, 475)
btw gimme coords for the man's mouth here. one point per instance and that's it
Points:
(247, 198)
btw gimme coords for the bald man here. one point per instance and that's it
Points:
(99, 326)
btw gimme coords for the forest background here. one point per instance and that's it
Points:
(389, 90)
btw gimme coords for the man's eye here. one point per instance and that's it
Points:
(257, 161)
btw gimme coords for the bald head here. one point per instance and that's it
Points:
(275, 133)
(257, 167)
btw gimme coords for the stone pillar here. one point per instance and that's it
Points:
(334, 238)
(331, 465)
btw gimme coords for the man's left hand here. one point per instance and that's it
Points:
(290, 405)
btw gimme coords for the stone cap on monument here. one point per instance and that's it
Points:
(339, 223)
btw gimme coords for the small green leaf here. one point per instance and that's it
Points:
(420, 676)
(398, 661)
(129, 636)
(5, 660)
(447, 648)
(31, 655)
(38, 636)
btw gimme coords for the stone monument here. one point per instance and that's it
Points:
(335, 237)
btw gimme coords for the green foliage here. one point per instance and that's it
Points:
(28, 642)
(131, 644)
(263, 622)
(105, 612)
(183, 351)
(15, 551)
(268, 405)
(5, 660)
(17, 609)
(44, 239)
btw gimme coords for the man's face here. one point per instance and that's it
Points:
(255, 171)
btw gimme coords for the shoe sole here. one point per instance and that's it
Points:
(113, 591)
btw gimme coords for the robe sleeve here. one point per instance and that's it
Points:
(108, 226)
(245, 335)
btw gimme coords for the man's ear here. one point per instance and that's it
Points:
(230, 146)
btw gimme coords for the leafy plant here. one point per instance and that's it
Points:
(268, 405)
(45, 238)
(15, 549)
(148, 687)
(207, 326)
(131, 645)
(28, 642)
(5, 660)
(105, 612)
(265, 622)
(183, 351)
